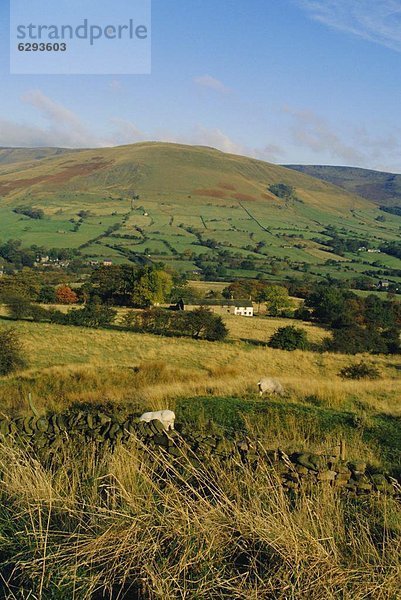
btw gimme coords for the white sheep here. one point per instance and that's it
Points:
(167, 417)
(269, 385)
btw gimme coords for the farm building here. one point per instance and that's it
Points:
(243, 308)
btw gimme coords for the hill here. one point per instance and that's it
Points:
(379, 187)
(17, 155)
(194, 208)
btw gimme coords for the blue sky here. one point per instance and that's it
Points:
(289, 81)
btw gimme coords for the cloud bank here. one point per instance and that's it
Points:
(64, 128)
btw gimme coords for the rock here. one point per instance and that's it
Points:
(378, 479)
(301, 470)
(305, 460)
(326, 475)
(42, 424)
(363, 488)
(357, 466)
(343, 469)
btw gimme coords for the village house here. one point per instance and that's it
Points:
(242, 308)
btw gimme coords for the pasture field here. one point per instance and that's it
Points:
(192, 201)
(70, 364)
(92, 524)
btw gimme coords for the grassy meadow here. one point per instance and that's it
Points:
(70, 365)
(92, 525)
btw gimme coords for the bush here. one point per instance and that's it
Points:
(18, 306)
(11, 351)
(92, 315)
(199, 324)
(65, 295)
(289, 338)
(357, 339)
(360, 371)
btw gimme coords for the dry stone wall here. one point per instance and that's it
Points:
(45, 435)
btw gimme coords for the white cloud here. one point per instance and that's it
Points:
(378, 21)
(214, 137)
(62, 126)
(311, 131)
(125, 132)
(358, 148)
(207, 81)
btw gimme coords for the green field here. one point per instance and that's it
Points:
(193, 202)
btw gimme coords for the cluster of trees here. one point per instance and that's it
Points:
(32, 213)
(45, 287)
(91, 315)
(393, 210)
(359, 324)
(340, 244)
(18, 256)
(198, 324)
(127, 285)
(392, 249)
(275, 297)
(282, 190)
(123, 285)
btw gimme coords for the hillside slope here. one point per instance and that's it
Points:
(377, 186)
(17, 155)
(195, 208)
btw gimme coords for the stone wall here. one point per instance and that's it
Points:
(46, 435)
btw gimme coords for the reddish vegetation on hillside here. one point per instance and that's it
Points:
(69, 172)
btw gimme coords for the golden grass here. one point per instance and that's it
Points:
(262, 328)
(69, 364)
(105, 526)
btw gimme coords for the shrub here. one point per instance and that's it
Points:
(357, 339)
(282, 190)
(47, 294)
(289, 338)
(199, 324)
(18, 306)
(92, 315)
(360, 370)
(65, 295)
(11, 351)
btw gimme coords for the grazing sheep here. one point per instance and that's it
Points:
(167, 417)
(269, 385)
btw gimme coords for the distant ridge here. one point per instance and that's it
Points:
(378, 186)
(10, 156)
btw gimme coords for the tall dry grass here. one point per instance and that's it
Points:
(120, 526)
(70, 365)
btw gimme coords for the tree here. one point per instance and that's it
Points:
(282, 190)
(24, 283)
(277, 299)
(47, 294)
(18, 307)
(65, 295)
(151, 287)
(11, 351)
(289, 338)
(328, 303)
(202, 323)
(92, 315)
